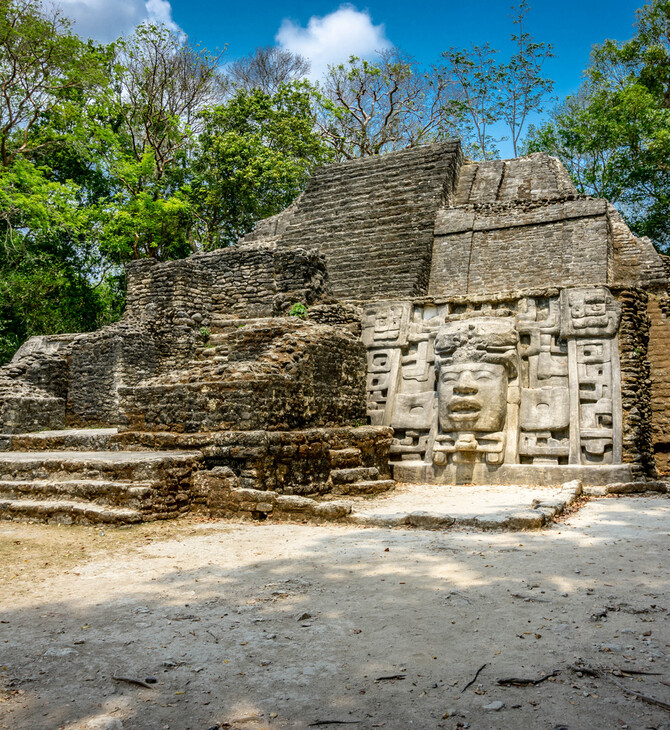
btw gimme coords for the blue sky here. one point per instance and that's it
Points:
(330, 31)
(425, 29)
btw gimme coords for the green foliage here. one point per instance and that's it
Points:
(614, 135)
(489, 92)
(43, 68)
(477, 106)
(113, 153)
(205, 333)
(298, 309)
(141, 132)
(254, 156)
(48, 265)
(368, 108)
(523, 86)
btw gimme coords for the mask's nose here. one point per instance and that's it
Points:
(466, 384)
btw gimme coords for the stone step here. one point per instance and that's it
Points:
(355, 474)
(214, 352)
(365, 487)
(66, 512)
(118, 494)
(345, 458)
(222, 327)
(72, 439)
(93, 465)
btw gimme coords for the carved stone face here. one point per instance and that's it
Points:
(472, 396)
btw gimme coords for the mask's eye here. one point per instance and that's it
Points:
(448, 377)
(483, 375)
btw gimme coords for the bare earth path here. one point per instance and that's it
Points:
(283, 625)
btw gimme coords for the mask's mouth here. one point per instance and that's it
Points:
(464, 407)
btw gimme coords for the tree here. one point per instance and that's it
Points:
(41, 64)
(489, 92)
(522, 85)
(614, 136)
(478, 103)
(254, 156)
(163, 85)
(267, 69)
(368, 108)
(142, 133)
(47, 265)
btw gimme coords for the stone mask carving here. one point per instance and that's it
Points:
(472, 396)
(474, 360)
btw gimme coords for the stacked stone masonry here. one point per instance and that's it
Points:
(488, 323)
(511, 239)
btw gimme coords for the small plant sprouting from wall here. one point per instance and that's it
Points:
(298, 310)
(205, 334)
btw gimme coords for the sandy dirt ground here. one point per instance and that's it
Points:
(252, 626)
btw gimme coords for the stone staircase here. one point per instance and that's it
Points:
(349, 476)
(99, 476)
(84, 479)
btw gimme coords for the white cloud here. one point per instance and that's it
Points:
(160, 11)
(333, 38)
(106, 20)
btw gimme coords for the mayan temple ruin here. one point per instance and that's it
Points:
(414, 317)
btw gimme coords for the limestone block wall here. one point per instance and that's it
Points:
(244, 281)
(33, 386)
(297, 462)
(100, 364)
(181, 286)
(636, 383)
(508, 248)
(634, 262)
(86, 380)
(373, 218)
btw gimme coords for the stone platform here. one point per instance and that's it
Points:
(407, 505)
(90, 487)
(509, 507)
(90, 476)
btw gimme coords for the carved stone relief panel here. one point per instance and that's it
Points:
(384, 334)
(588, 312)
(544, 417)
(535, 381)
(385, 324)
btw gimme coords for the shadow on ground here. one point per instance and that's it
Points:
(283, 625)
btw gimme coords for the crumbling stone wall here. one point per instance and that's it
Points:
(171, 308)
(281, 374)
(180, 286)
(298, 462)
(658, 311)
(245, 281)
(100, 365)
(636, 383)
(33, 386)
